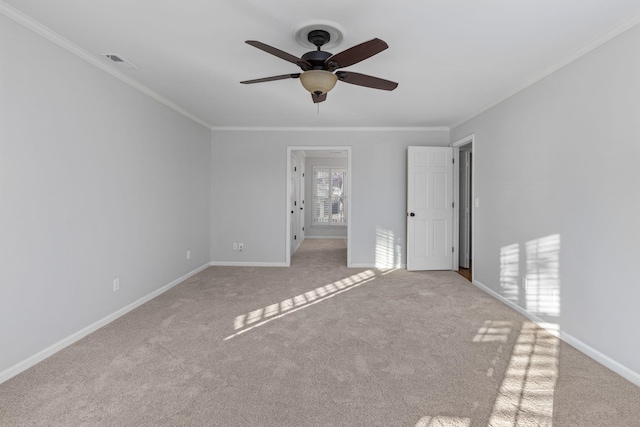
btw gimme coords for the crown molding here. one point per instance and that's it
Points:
(328, 129)
(588, 47)
(50, 35)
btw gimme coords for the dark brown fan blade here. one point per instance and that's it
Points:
(280, 54)
(270, 79)
(318, 98)
(355, 54)
(365, 80)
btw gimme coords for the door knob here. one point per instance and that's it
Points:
(412, 214)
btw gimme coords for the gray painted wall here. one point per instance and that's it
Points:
(320, 230)
(561, 159)
(97, 181)
(249, 189)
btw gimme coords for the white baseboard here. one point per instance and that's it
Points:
(603, 359)
(246, 264)
(326, 237)
(357, 265)
(360, 265)
(49, 351)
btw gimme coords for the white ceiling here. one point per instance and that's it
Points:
(451, 58)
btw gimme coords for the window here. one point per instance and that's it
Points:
(329, 196)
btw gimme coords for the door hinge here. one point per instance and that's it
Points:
(302, 228)
(295, 237)
(452, 249)
(295, 169)
(453, 204)
(295, 203)
(453, 160)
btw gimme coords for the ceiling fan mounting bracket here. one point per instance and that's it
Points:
(318, 38)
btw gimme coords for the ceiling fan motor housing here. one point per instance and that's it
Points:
(317, 59)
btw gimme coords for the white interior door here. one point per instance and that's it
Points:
(301, 207)
(294, 205)
(430, 208)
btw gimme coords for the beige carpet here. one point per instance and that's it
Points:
(318, 344)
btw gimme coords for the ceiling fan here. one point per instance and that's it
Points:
(319, 73)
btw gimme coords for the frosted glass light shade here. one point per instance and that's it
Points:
(318, 81)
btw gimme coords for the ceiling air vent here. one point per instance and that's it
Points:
(120, 61)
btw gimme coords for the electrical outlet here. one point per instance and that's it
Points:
(188, 253)
(116, 284)
(235, 246)
(240, 246)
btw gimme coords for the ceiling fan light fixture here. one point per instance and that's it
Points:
(318, 81)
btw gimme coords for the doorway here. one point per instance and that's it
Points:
(464, 189)
(305, 216)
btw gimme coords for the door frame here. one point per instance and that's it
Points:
(287, 210)
(464, 208)
(456, 198)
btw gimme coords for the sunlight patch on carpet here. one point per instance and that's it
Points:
(245, 322)
(526, 393)
(493, 331)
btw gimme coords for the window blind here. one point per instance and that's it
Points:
(329, 185)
